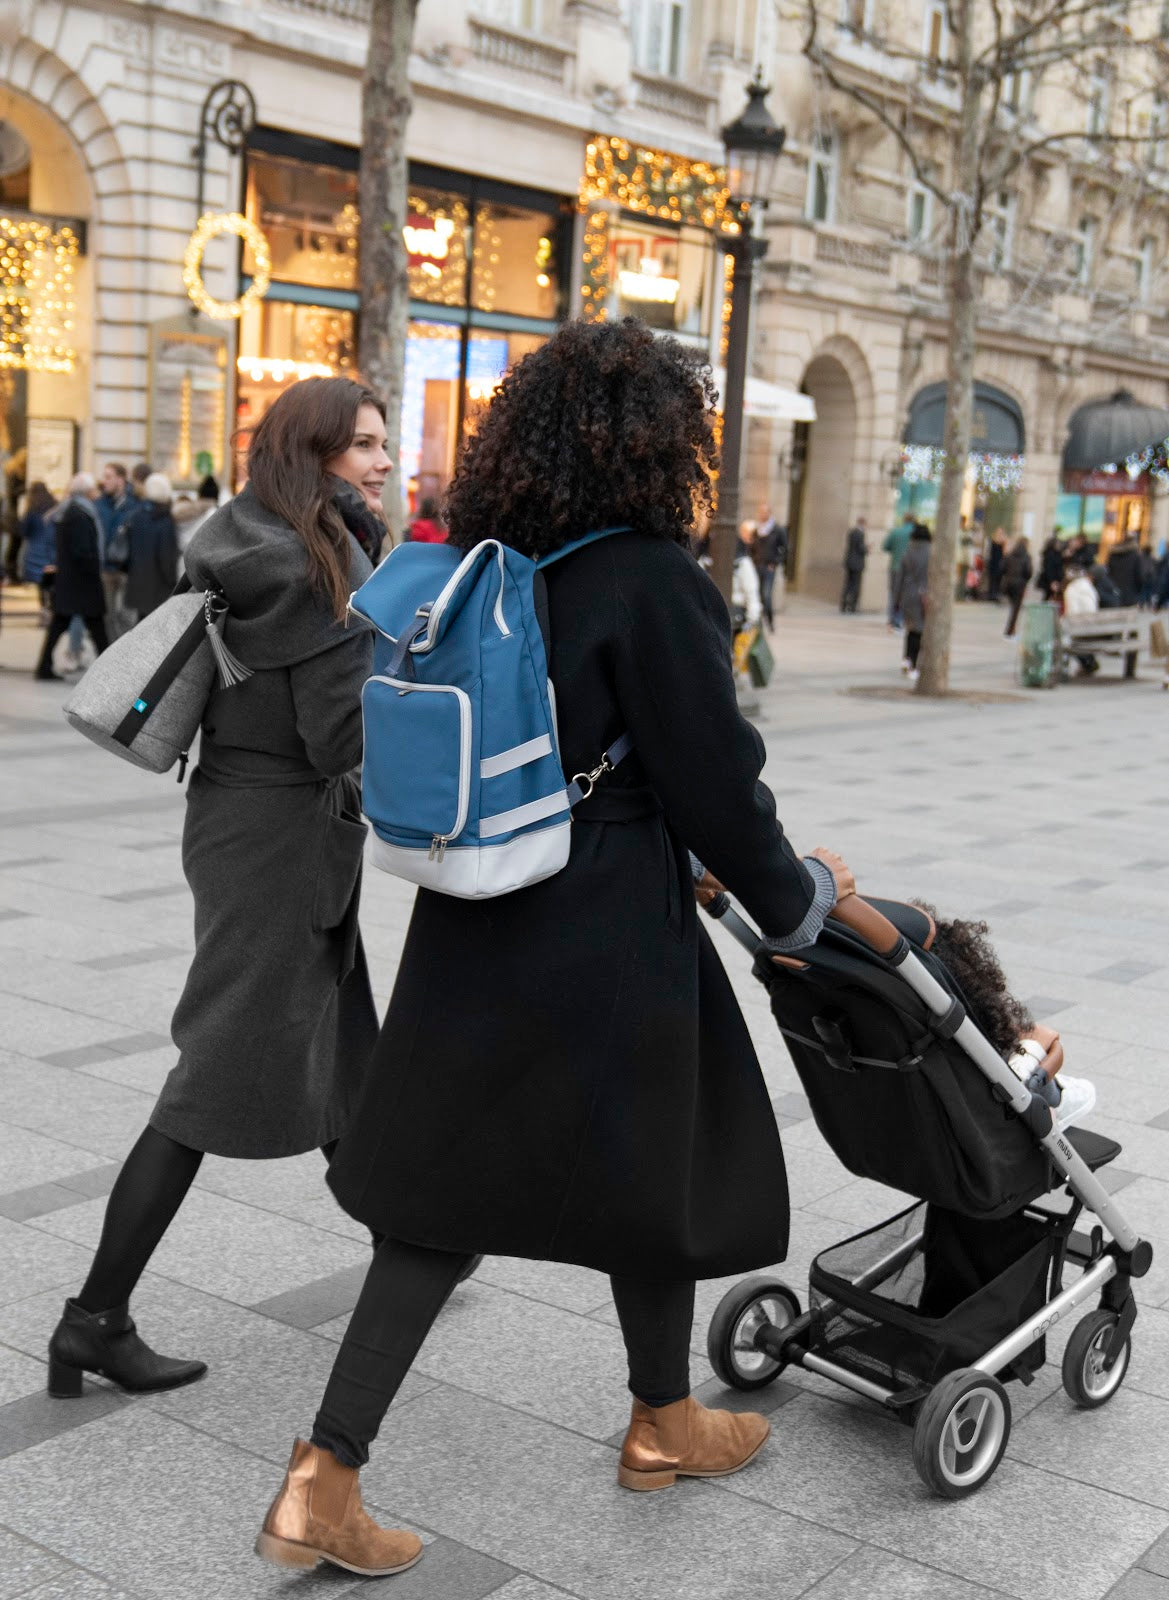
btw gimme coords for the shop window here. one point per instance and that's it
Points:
(661, 276)
(281, 342)
(490, 356)
(436, 244)
(430, 408)
(515, 262)
(15, 168)
(658, 30)
(820, 200)
(309, 216)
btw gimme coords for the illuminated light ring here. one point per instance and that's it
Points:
(211, 224)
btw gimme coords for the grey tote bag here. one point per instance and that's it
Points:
(143, 698)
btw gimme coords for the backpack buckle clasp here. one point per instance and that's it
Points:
(587, 781)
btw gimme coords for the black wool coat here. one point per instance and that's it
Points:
(564, 1072)
(276, 1021)
(77, 589)
(153, 557)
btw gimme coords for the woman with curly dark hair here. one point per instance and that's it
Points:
(564, 1073)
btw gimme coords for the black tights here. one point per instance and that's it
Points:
(405, 1289)
(151, 1187)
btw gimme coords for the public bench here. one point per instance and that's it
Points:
(1116, 631)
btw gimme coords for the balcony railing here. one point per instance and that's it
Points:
(859, 255)
(667, 98)
(356, 11)
(519, 52)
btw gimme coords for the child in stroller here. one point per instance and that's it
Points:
(931, 1311)
(1032, 1051)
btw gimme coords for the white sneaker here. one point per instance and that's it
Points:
(913, 675)
(1077, 1097)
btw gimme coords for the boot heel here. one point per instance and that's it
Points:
(628, 1478)
(64, 1380)
(283, 1553)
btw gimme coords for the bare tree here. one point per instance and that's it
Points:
(960, 110)
(382, 201)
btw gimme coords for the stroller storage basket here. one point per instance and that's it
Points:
(929, 1291)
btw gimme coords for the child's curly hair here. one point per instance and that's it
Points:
(964, 949)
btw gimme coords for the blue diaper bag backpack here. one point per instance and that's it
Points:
(461, 777)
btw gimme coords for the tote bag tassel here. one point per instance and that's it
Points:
(231, 669)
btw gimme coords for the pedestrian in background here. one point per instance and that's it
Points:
(893, 545)
(152, 549)
(856, 553)
(995, 560)
(1051, 569)
(913, 580)
(276, 1020)
(1124, 568)
(770, 552)
(38, 543)
(1017, 570)
(746, 594)
(77, 586)
(190, 515)
(426, 527)
(138, 476)
(113, 507)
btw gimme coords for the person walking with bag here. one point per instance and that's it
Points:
(151, 548)
(913, 579)
(276, 1022)
(564, 1073)
(77, 586)
(1017, 570)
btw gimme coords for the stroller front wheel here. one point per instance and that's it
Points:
(1087, 1381)
(961, 1432)
(730, 1340)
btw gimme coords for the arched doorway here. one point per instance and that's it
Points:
(45, 341)
(821, 510)
(997, 445)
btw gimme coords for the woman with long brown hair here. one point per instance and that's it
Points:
(277, 1020)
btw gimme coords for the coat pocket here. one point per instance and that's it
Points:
(335, 898)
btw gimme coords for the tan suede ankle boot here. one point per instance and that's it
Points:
(685, 1440)
(318, 1516)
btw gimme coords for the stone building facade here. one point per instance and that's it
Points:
(518, 104)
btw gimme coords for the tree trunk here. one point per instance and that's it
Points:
(382, 198)
(934, 662)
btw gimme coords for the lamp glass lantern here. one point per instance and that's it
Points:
(753, 142)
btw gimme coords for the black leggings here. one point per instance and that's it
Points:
(912, 645)
(405, 1289)
(150, 1188)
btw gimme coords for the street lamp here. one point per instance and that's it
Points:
(753, 142)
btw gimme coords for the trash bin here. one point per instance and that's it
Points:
(1039, 646)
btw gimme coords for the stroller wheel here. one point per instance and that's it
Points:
(730, 1341)
(1085, 1377)
(961, 1432)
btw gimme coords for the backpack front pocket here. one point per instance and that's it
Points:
(418, 788)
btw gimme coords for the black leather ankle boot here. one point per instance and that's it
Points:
(106, 1342)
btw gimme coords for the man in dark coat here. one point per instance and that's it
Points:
(1124, 568)
(856, 553)
(770, 555)
(77, 589)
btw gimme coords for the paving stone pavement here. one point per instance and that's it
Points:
(1044, 811)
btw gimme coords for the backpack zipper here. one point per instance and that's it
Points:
(439, 841)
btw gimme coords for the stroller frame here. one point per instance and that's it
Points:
(949, 1417)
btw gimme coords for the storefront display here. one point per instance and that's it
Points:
(1105, 506)
(487, 268)
(994, 469)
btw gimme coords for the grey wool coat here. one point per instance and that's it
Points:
(277, 1021)
(913, 578)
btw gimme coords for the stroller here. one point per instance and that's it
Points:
(931, 1311)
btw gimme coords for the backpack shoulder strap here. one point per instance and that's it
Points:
(578, 544)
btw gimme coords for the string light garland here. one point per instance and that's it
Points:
(992, 471)
(724, 342)
(210, 225)
(620, 176)
(37, 310)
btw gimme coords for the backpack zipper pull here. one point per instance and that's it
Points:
(438, 846)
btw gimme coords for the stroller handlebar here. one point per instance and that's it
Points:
(859, 917)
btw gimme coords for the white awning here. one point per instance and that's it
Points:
(771, 400)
